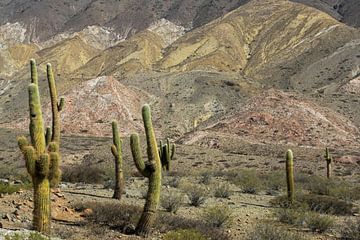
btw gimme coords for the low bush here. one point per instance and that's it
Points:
(291, 216)
(197, 195)
(171, 201)
(115, 215)
(205, 177)
(222, 191)
(269, 232)
(184, 234)
(317, 203)
(318, 223)
(351, 230)
(217, 216)
(247, 180)
(169, 222)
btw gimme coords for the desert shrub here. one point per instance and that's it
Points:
(222, 191)
(269, 232)
(171, 201)
(83, 173)
(291, 216)
(318, 223)
(331, 187)
(173, 182)
(326, 204)
(184, 234)
(274, 181)
(351, 230)
(247, 180)
(217, 216)
(318, 203)
(13, 188)
(197, 195)
(111, 214)
(26, 235)
(169, 222)
(205, 177)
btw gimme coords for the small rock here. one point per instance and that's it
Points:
(16, 212)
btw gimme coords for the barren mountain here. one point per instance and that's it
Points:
(345, 10)
(275, 117)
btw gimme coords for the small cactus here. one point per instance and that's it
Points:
(116, 150)
(166, 153)
(41, 157)
(328, 159)
(151, 170)
(290, 175)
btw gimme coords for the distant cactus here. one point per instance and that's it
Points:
(42, 160)
(116, 150)
(290, 175)
(328, 159)
(166, 153)
(151, 170)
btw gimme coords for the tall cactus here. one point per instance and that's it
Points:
(56, 105)
(166, 152)
(328, 159)
(290, 175)
(151, 170)
(116, 150)
(42, 161)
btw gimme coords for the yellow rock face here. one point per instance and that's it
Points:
(136, 54)
(252, 38)
(68, 55)
(14, 57)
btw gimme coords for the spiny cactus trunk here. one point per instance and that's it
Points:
(41, 158)
(328, 159)
(41, 212)
(151, 170)
(116, 150)
(290, 176)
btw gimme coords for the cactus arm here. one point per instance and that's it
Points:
(290, 175)
(42, 166)
(48, 135)
(173, 147)
(61, 104)
(22, 143)
(36, 121)
(114, 151)
(33, 71)
(137, 156)
(150, 136)
(30, 160)
(54, 105)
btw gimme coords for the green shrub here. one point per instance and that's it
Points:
(217, 216)
(13, 188)
(222, 191)
(318, 223)
(184, 234)
(247, 180)
(173, 182)
(111, 214)
(171, 201)
(269, 232)
(291, 216)
(169, 222)
(196, 194)
(274, 181)
(205, 177)
(317, 203)
(326, 204)
(351, 230)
